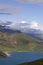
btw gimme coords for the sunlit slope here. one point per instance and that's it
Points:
(19, 42)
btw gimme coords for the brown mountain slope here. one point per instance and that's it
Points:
(37, 62)
(19, 42)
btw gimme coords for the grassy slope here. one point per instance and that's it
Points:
(19, 42)
(37, 62)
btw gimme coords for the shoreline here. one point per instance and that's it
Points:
(7, 53)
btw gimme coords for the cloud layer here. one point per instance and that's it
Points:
(4, 6)
(31, 1)
(6, 13)
(6, 9)
(23, 25)
(5, 23)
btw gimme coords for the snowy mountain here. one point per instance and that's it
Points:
(34, 29)
(27, 27)
(5, 28)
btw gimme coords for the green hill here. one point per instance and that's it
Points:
(37, 62)
(19, 42)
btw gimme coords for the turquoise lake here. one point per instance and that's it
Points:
(21, 57)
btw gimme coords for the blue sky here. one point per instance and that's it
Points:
(21, 10)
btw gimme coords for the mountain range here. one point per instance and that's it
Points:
(33, 29)
(20, 37)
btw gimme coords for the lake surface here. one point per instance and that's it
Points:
(21, 57)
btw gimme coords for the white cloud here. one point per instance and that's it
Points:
(23, 21)
(34, 25)
(26, 25)
(5, 23)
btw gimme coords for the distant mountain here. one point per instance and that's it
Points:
(38, 36)
(33, 29)
(37, 62)
(6, 29)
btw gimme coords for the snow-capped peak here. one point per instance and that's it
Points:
(23, 25)
(34, 25)
(23, 22)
